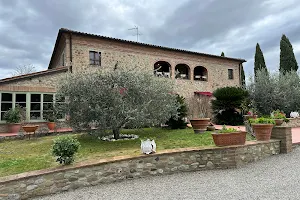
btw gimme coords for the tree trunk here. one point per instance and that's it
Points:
(116, 133)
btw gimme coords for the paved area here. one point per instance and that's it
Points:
(59, 130)
(276, 177)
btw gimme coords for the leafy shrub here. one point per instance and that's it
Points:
(228, 98)
(277, 114)
(227, 130)
(179, 122)
(228, 101)
(229, 117)
(13, 115)
(64, 149)
(262, 120)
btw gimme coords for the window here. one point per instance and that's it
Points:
(230, 73)
(95, 58)
(37, 105)
(6, 103)
(47, 104)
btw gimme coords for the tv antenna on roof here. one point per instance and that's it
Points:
(137, 32)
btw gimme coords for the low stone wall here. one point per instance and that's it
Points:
(293, 122)
(45, 182)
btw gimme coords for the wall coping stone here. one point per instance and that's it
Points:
(11, 178)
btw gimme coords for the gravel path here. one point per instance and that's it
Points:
(277, 177)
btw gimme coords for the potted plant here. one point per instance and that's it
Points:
(51, 117)
(279, 117)
(250, 115)
(200, 124)
(262, 128)
(13, 118)
(199, 107)
(229, 136)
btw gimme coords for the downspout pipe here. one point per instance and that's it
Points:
(71, 56)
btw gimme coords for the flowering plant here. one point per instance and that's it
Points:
(251, 112)
(277, 114)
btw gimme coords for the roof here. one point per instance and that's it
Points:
(31, 75)
(64, 30)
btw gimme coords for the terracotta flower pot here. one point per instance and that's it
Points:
(227, 139)
(51, 125)
(278, 121)
(262, 131)
(30, 128)
(200, 125)
(14, 128)
(246, 117)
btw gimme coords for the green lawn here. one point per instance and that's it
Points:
(26, 155)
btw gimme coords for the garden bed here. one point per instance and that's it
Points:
(26, 155)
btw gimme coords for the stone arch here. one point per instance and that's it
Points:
(200, 73)
(162, 68)
(182, 71)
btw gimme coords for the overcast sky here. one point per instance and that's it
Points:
(28, 28)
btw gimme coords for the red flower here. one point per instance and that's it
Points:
(122, 91)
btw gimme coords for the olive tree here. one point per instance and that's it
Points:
(275, 91)
(113, 99)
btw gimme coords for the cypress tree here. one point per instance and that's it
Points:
(288, 61)
(259, 60)
(243, 76)
(222, 54)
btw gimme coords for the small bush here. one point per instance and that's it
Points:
(262, 120)
(13, 116)
(227, 130)
(227, 103)
(179, 122)
(64, 149)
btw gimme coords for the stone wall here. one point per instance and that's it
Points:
(144, 58)
(294, 122)
(41, 83)
(45, 182)
(284, 134)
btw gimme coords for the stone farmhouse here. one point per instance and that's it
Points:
(195, 73)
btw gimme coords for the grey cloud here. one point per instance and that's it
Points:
(28, 28)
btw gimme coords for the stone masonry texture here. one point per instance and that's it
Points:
(284, 134)
(46, 182)
(144, 58)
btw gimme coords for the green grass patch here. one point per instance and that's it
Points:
(26, 155)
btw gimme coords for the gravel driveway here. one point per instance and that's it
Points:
(277, 177)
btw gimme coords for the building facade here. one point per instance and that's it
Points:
(76, 51)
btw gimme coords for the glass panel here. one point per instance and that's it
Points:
(35, 106)
(48, 97)
(92, 55)
(47, 106)
(35, 115)
(35, 98)
(20, 97)
(230, 73)
(23, 105)
(6, 97)
(2, 115)
(6, 106)
(97, 56)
